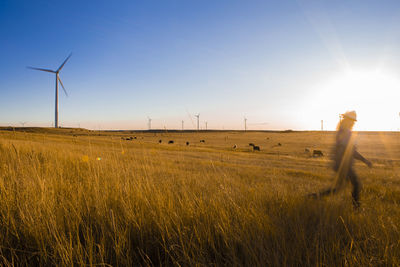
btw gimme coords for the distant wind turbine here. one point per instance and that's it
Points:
(198, 117)
(23, 123)
(149, 122)
(245, 124)
(58, 80)
(190, 117)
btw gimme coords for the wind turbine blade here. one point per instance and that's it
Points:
(190, 117)
(65, 91)
(65, 61)
(32, 68)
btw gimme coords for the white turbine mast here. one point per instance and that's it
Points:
(198, 117)
(149, 122)
(58, 80)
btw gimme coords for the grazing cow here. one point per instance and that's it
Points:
(170, 141)
(279, 144)
(234, 146)
(160, 141)
(202, 141)
(187, 143)
(307, 150)
(317, 153)
(255, 148)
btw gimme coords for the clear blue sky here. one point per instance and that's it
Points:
(271, 61)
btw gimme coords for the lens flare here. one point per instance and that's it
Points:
(85, 158)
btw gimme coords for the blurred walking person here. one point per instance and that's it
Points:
(345, 152)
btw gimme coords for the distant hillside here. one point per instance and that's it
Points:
(46, 130)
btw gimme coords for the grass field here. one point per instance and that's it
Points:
(74, 197)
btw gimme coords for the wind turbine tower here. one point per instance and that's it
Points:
(58, 80)
(149, 122)
(322, 125)
(206, 125)
(183, 124)
(198, 117)
(245, 124)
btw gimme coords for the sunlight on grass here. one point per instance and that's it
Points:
(98, 200)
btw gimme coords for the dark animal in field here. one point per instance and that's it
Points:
(317, 153)
(255, 148)
(307, 150)
(279, 144)
(160, 141)
(187, 143)
(134, 137)
(234, 146)
(170, 141)
(202, 141)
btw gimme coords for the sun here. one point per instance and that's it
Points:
(374, 95)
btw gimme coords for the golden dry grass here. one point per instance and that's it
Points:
(99, 200)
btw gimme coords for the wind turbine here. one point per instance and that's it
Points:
(197, 116)
(58, 80)
(149, 122)
(245, 124)
(190, 117)
(183, 122)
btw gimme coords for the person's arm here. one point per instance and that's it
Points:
(358, 156)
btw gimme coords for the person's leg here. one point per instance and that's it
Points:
(327, 191)
(323, 193)
(340, 178)
(356, 188)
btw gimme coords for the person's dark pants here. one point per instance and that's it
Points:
(356, 187)
(352, 176)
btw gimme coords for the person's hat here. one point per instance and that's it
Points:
(352, 115)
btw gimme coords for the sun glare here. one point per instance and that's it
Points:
(373, 94)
